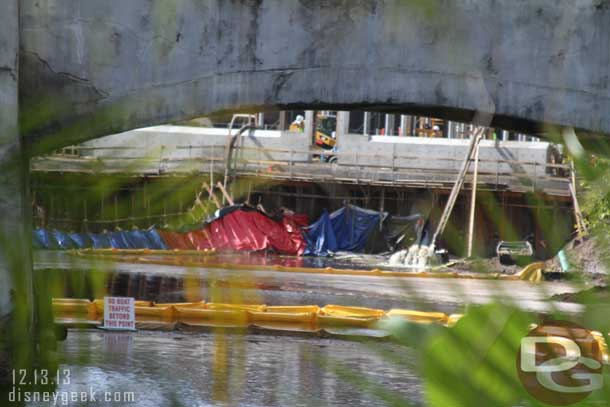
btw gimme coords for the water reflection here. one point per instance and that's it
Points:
(229, 369)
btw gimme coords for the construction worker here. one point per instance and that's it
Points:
(298, 125)
(436, 131)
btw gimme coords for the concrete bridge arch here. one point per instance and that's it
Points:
(117, 65)
(73, 70)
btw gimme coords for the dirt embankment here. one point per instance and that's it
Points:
(492, 265)
(589, 256)
(594, 295)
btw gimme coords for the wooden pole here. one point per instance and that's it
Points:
(580, 222)
(225, 194)
(211, 193)
(459, 182)
(473, 199)
(249, 191)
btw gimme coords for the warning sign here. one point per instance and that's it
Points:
(119, 314)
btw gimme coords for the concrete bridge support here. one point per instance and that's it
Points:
(16, 294)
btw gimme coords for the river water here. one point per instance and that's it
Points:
(79, 277)
(220, 367)
(163, 369)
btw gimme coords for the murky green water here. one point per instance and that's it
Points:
(73, 277)
(229, 368)
(162, 369)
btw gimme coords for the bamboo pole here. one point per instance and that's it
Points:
(225, 194)
(459, 182)
(580, 222)
(211, 193)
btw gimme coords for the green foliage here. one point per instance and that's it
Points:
(596, 200)
(474, 362)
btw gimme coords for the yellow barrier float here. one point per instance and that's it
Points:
(532, 273)
(200, 304)
(337, 315)
(293, 308)
(75, 308)
(343, 321)
(282, 317)
(298, 318)
(352, 312)
(299, 314)
(419, 317)
(165, 313)
(243, 314)
(191, 315)
(235, 307)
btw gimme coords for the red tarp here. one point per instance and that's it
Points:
(250, 231)
(292, 225)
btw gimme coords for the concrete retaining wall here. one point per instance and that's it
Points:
(173, 142)
(445, 154)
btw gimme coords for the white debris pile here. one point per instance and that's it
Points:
(418, 257)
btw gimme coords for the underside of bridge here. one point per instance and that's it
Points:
(89, 69)
(75, 70)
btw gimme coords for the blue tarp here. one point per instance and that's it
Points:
(347, 229)
(144, 239)
(99, 241)
(81, 240)
(137, 239)
(155, 239)
(134, 239)
(62, 240)
(320, 237)
(118, 240)
(42, 239)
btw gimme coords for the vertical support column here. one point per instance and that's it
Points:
(342, 125)
(310, 118)
(16, 275)
(389, 124)
(505, 135)
(261, 120)
(283, 123)
(405, 125)
(366, 124)
(473, 199)
(450, 130)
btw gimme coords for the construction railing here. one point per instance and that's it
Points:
(313, 166)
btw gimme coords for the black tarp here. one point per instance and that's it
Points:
(396, 233)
